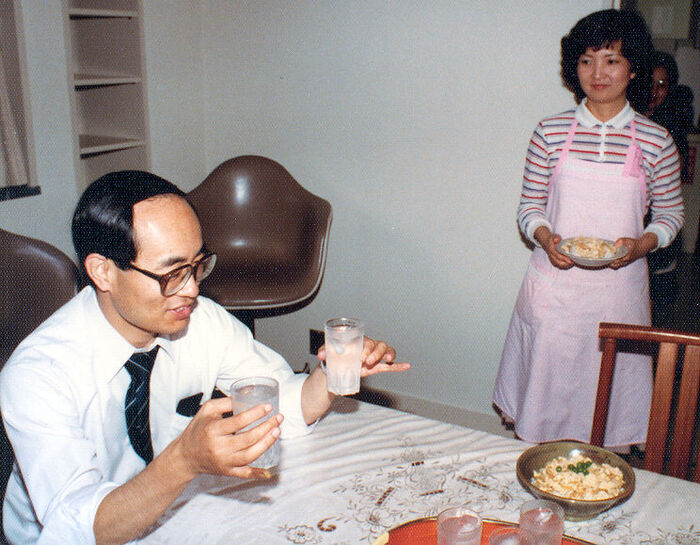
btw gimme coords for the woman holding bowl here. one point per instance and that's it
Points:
(593, 170)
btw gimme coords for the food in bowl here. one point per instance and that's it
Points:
(580, 478)
(589, 247)
(538, 456)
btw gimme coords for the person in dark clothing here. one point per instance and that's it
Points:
(671, 106)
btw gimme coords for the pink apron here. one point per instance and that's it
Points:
(548, 376)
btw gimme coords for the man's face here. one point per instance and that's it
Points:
(659, 88)
(167, 235)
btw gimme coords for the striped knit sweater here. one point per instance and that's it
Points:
(594, 141)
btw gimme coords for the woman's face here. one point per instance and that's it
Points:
(604, 75)
(659, 88)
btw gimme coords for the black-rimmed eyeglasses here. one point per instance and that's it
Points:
(173, 281)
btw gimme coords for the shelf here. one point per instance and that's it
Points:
(86, 13)
(99, 164)
(106, 77)
(94, 80)
(91, 144)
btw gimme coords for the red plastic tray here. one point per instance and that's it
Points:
(424, 532)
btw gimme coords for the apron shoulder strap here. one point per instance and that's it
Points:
(565, 150)
(633, 158)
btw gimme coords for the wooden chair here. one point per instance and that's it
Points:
(672, 435)
(270, 236)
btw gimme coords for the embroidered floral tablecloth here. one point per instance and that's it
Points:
(366, 469)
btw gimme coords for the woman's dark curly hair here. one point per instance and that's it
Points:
(603, 29)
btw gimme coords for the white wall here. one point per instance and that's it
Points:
(412, 118)
(175, 87)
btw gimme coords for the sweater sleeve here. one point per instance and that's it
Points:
(667, 214)
(535, 189)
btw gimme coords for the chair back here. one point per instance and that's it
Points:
(269, 233)
(35, 280)
(672, 435)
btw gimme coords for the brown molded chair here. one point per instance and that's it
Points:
(672, 436)
(35, 280)
(270, 236)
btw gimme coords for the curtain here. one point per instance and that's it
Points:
(13, 170)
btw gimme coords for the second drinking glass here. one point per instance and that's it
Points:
(344, 341)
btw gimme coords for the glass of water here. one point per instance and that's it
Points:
(344, 342)
(541, 523)
(458, 526)
(250, 392)
(505, 536)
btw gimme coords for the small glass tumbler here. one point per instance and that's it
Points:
(458, 526)
(541, 523)
(505, 536)
(344, 340)
(250, 392)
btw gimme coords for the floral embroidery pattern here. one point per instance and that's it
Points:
(689, 536)
(419, 482)
(416, 486)
(300, 534)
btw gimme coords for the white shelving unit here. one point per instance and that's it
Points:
(105, 59)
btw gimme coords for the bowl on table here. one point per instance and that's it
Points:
(535, 458)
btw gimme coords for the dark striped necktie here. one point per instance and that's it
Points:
(139, 366)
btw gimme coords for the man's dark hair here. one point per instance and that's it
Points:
(603, 29)
(103, 219)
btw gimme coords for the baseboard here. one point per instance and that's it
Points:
(437, 411)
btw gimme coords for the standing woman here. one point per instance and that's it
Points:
(593, 170)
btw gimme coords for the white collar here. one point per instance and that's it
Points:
(112, 348)
(587, 119)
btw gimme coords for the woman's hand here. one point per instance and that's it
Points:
(549, 242)
(636, 249)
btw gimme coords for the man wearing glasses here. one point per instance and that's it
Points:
(110, 404)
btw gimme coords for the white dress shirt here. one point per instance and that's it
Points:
(62, 398)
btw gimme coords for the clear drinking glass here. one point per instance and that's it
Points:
(344, 340)
(541, 523)
(458, 526)
(505, 536)
(250, 392)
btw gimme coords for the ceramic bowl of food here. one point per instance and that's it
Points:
(585, 480)
(591, 251)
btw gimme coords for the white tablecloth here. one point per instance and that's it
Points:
(366, 469)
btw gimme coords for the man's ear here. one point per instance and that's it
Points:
(99, 269)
